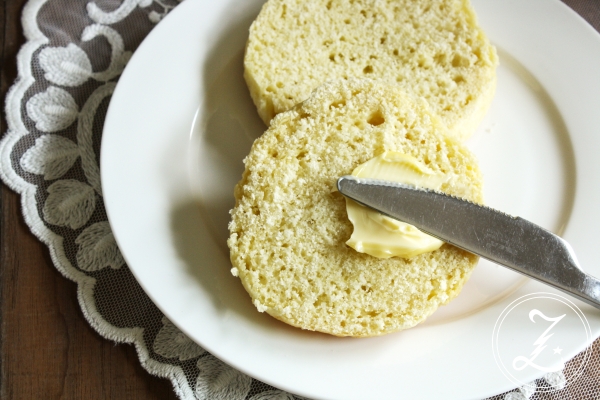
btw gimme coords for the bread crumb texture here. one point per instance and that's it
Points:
(433, 48)
(289, 226)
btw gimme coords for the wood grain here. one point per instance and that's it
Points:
(48, 350)
(588, 9)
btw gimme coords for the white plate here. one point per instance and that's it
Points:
(183, 120)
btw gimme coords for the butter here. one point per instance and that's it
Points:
(381, 236)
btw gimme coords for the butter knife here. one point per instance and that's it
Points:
(503, 239)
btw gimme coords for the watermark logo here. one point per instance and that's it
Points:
(537, 334)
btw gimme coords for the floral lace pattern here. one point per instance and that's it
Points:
(50, 155)
(55, 111)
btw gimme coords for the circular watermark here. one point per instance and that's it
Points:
(537, 334)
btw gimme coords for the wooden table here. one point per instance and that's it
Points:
(48, 350)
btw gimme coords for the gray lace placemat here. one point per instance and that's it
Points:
(55, 111)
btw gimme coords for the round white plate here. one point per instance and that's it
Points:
(181, 121)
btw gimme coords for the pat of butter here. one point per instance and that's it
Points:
(381, 236)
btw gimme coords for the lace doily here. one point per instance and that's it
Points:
(55, 112)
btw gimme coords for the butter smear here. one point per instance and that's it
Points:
(381, 236)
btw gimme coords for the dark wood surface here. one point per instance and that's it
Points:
(47, 348)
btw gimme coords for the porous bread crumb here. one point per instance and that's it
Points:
(289, 227)
(434, 49)
(259, 306)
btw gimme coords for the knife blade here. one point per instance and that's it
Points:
(506, 240)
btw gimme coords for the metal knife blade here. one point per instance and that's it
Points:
(506, 240)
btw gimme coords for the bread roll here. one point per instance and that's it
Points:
(433, 48)
(289, 225)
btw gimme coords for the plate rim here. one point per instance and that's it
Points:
(112, 113)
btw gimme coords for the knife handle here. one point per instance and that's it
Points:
(590, 291)
(543, 256)
(551, 259)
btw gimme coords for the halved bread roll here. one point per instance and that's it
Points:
(289, 226)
